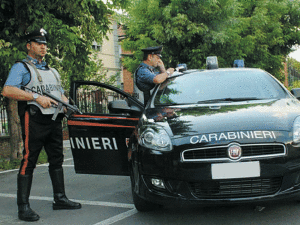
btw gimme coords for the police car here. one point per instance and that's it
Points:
(219, 135)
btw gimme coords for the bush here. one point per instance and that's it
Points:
(296, 84)
(7, 164)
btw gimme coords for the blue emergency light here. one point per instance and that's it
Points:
(238, 63)
(181, 67)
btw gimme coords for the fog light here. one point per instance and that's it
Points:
(158, 183)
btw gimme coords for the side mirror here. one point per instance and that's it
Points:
(121, 106)
(296, 93)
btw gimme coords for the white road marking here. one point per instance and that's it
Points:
(117, 218)
(7, 171)
(94, 203)
(47, 164)
(68, 159)
(108, 221)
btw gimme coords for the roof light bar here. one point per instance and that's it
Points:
(181, 67)
(212, 62)
(238, 63)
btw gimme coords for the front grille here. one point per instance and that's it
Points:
(220, 152)
(236, 188)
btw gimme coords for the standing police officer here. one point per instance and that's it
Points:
(145, 76)
(38, 128)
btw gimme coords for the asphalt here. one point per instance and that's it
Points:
(67, 145)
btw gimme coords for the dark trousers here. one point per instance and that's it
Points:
(37, 134)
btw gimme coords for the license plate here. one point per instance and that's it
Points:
(235, 170)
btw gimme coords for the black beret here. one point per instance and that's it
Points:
(153, 50)
(39, 36)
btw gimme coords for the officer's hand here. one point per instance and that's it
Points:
(45, 102)
(171, 70)
(161, 65)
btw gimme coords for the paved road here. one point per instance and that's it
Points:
(107, 200)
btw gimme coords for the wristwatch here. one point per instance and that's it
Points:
(35, 96)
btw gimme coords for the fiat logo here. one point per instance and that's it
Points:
(234, 151)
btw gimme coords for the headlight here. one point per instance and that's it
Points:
(155, 138)
(296, 130)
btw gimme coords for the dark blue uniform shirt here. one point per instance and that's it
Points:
(144, 77)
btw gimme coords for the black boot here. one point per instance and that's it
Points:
(60, 199)
(24, 211)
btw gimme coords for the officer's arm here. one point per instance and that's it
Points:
(16, 94)
(20, 95)
(164, 74)
(64, 98)
(159, 78)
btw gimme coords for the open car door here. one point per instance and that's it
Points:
(99, 137)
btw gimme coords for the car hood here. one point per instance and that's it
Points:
(274, 115)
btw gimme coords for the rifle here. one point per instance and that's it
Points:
(70, 108)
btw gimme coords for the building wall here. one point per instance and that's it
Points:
(127, 76)
(128, 81)
(110, 53)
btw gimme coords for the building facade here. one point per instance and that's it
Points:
(109, 51)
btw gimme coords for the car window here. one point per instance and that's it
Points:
(94, 99)
(219, 85)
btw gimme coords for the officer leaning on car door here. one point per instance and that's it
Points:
(145, 77)
(38, 128)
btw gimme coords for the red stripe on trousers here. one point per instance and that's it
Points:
(25, 157)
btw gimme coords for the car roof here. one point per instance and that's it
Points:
(215, 71)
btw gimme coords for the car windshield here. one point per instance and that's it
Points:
(219, 86)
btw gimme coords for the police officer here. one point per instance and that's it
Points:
(145, 75)
(38, 128)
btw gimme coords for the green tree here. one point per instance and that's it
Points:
(293, 72)
(294, 63)
(261, 32)
(72, 26)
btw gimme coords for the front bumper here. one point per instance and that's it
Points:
(182, 192)
(192, 183)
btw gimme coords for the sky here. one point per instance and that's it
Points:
(296, 54)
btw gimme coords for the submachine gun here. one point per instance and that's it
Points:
(70, 108)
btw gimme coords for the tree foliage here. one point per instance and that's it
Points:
(293, 67)
(261, 32)
(72, 26)
(294, 64)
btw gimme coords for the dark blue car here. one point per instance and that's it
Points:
(212, 136)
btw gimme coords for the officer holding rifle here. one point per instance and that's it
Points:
(39, 127)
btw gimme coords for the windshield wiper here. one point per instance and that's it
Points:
(229, 100)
